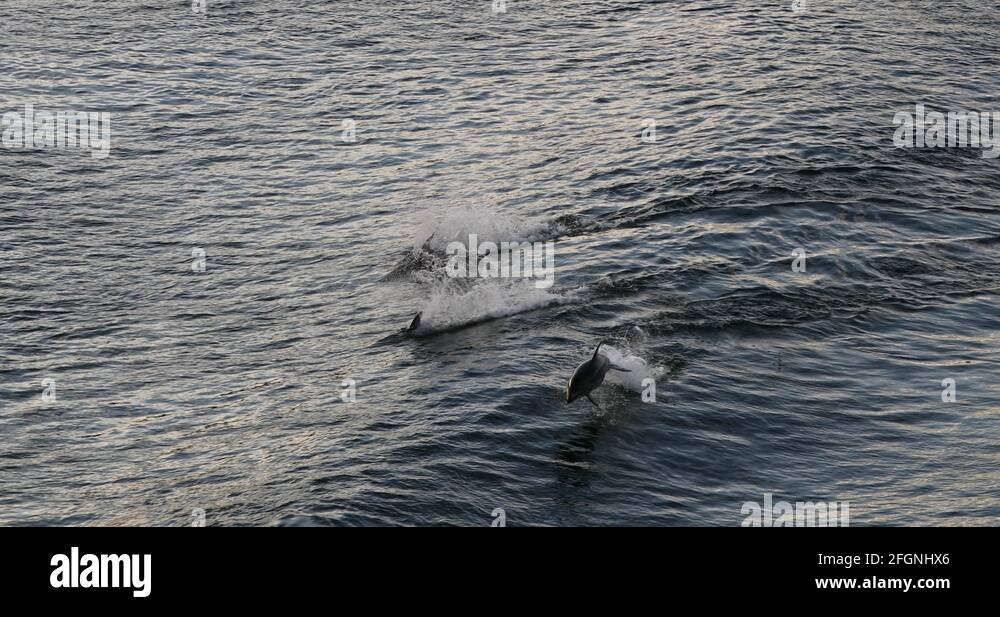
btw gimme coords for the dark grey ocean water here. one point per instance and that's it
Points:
(221, 390)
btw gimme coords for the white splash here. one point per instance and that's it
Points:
(447, 309)
(455, 223)
(638, 369)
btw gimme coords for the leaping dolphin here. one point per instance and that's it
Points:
(589, 376)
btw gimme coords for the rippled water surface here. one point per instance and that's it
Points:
(222, 389)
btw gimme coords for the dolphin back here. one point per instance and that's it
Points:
(587, 376)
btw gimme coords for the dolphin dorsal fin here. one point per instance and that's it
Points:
(598, 349)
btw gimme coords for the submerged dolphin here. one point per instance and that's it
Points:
(415, 260)
(589, 375)
(415, 323)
